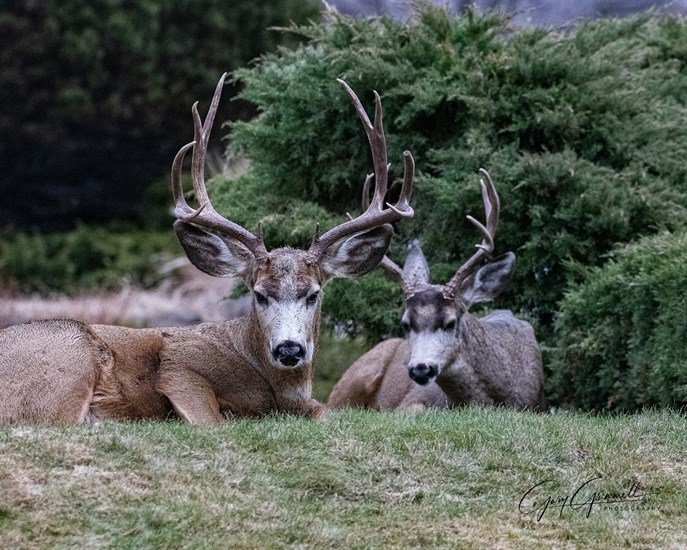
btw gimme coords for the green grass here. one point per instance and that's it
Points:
(334, 356)
(357, 480)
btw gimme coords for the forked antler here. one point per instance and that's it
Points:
(387, 264)
(492, 208)
(375, 214)
(205, 215)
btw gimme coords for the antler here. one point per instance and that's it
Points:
(492, 207)
(205, 215)
(387, 264)
(374, 215)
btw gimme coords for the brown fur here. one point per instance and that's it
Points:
(494, 360)
(379, 380)
(500, 365)
(67, 371)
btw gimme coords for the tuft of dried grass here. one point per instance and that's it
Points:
(186, 296)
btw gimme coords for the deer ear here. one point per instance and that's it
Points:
(415, 268)
(357, 255)
(214, 255)
(489, 281)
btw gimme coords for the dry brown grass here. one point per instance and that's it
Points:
(186, 296)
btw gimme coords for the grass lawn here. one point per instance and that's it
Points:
(357, 480)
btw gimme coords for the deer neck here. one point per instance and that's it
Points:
(290, 385)
(458, 380)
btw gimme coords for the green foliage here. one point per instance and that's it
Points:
(358, 304)
(88, 257)
(254, 204)
(622, 332)
(101, 91)
(334, 356)
(584, 133)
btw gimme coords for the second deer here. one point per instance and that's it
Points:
(450, 357)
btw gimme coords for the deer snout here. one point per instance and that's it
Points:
(289, 353)
(423, 372)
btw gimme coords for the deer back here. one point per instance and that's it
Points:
(498, 362)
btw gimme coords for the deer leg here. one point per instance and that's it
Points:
(317, 410)
(420, 398)
(191, 395)
(358, 387)
(412, 407)
(305, 406)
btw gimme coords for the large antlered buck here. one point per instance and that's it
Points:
(67, 371)
(450, 357)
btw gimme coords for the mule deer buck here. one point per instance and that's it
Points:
(67, 371)
(450, 357)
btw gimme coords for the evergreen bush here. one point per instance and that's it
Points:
(622, 332)
(583, 132)
(89, 257)
(97, 95)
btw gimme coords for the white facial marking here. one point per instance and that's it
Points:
(289, 319)
(431, 348)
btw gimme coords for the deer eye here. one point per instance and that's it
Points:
(450, 325)
(260, 298)
(405, 325)
(310, 300)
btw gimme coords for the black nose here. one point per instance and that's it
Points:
(289, 353)
(423, 373)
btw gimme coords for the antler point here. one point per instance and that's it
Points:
(403, 213)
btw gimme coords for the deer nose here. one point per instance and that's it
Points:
(289, 353)
(423, 372)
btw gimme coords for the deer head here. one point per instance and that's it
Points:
(434, 318)
(286, 283)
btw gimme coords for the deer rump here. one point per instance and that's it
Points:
(63, 371)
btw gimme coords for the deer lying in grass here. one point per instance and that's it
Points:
(67, 371)
(450, 357)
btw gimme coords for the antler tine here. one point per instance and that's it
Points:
(375, 135)
(492, 208)
(180, 206)
(393, 269)
(387, 264)
(491, 200)
(205, 215)
(374, 214)
(406, 188)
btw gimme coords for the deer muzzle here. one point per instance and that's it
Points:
(422, 373)
(289, 353)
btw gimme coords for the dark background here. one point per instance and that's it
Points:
(95, 96)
